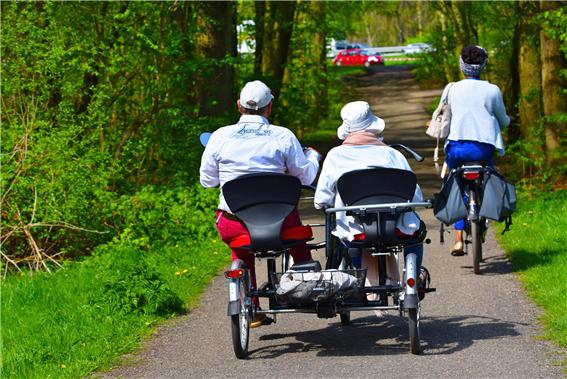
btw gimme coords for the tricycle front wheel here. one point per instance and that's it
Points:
(414, 335)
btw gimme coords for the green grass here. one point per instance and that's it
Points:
(81, 318)
(537, 247)
(399, 60)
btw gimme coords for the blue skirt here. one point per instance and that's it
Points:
(458, 152)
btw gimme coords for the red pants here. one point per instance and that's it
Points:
(230, 229)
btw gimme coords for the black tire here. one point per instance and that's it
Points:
(476, 245)
(240, 324)
(483, 230)
(345, 318)
(285, 261)
(414, 335)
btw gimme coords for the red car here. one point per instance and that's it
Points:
(357, 57)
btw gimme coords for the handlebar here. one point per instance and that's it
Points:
(415, 155)
(372, 207)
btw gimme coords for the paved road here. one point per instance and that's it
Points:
(473, 326)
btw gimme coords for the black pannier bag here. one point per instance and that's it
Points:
(498, 197)
(449, 206)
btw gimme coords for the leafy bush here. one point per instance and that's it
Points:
(127, 284)
(155, 215)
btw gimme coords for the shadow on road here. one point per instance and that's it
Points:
(387, 335)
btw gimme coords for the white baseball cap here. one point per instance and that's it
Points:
(255, 95)
(357, 116)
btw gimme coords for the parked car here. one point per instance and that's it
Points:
(357, 45)
(417, 48)
(357, 57)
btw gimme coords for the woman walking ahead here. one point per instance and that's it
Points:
(477, 114)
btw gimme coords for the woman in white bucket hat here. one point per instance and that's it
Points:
(361, 148)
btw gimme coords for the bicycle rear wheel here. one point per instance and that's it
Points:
(476, 245)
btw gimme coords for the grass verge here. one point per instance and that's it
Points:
(81, 318)
(77, 320)
(536, 246)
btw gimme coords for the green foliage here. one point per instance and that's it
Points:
(94, 107)
(536, 247)
(156, 216)
(80, 318)
(127, 284)
(303, 95)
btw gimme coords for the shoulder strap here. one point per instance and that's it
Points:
(446, 101)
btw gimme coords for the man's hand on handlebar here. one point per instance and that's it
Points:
(309, 150)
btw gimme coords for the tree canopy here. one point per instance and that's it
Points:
(103, 101)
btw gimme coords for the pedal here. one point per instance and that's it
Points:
(430, 290)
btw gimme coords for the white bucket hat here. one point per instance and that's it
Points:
(255, 95)
(357, 116)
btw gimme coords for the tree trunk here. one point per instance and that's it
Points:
(319, 45)
(530, 107)
(259, 21)
(445, 45)
(420, 19)
(400, 24)
(215, 40)
(461, 16)
(277, 38)
(552, 61)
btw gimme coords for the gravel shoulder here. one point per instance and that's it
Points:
(474, 326)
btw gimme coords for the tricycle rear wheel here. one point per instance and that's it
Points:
(240, 324)
(345, 318)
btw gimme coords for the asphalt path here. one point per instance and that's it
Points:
(474, 326)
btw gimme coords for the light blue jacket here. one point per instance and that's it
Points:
(477, 113)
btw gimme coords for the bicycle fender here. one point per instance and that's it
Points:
(411, 302)
(411, 272)
(233, 308)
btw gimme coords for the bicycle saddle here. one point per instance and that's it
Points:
(262, 202)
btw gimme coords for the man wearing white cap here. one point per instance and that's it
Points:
(253, 145)
(361, 148)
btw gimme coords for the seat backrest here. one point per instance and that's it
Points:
(378, 185)
(263, 201)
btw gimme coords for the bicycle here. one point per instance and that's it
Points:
(472, 174)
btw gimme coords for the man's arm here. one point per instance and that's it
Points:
(303, 165)
(209, 171)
